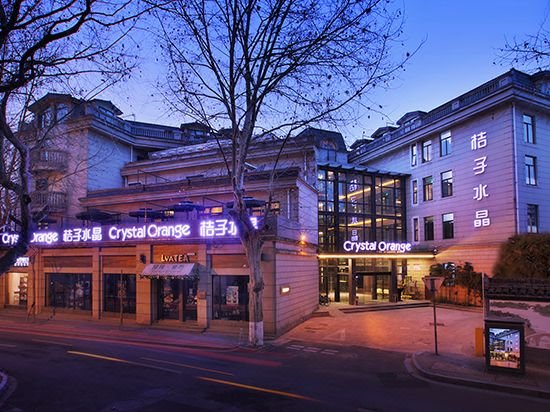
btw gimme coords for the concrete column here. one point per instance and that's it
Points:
(3, 289)
(393, 281)
(144, 304)
(97, 284)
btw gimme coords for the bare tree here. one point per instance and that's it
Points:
(531, 51)
(45, 43)
(281, 64)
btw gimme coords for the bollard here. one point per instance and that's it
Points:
(479, 344)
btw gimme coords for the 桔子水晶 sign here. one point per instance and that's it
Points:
(376, 246)
(207, 228)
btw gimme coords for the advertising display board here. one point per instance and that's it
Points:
(504, 345)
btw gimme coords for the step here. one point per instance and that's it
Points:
(375, 307)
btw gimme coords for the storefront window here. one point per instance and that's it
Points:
(117, 288)
(17, 289)
(230, 295)
(69, 291)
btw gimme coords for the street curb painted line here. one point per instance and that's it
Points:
(475, 383)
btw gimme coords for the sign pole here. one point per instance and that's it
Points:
(433, 283)
(435, 317)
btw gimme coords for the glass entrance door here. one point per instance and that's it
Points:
(177, 299)
(372, 287)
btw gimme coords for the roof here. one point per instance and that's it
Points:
(349, 167)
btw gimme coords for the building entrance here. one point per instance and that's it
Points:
(177, 299)
(372, 287)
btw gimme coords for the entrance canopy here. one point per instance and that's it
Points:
(171, 270)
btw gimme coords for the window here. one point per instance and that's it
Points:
(426, 151)
(41, 185)
(447, 183)
(528, 131)
(414, 155)
(531, 170)
(230, 297)
(113, 286)
(448, 225)
(445, 144)
(429, 228)
(415, 229)
(415, 192)
(428, 184)
(69, 291)
(62, 112)
(532, 218)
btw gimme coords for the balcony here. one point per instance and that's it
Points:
(47, 160)
(51, 201)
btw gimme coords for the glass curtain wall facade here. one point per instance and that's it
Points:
(357, 206)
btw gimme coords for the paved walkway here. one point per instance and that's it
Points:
(408, 330)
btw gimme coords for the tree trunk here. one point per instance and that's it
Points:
(253, 248)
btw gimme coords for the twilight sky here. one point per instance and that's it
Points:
(462, 39)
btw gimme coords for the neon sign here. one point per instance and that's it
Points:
(390, 247)
(210, 228)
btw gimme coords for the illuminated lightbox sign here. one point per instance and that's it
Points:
(378, 247)
(210, 228)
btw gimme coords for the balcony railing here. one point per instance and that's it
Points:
(52, 201)
(49, 160)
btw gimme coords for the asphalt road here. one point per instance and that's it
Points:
(75, 374)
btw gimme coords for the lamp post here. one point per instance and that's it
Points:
(433, 283)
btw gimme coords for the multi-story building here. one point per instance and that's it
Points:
(80, 146)
(478, 166)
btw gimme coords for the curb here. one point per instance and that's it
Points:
(476, 383)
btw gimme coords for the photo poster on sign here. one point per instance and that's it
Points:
(232, 295)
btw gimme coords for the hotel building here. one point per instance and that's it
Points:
(478, 168)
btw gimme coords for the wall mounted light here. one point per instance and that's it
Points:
(285, 290)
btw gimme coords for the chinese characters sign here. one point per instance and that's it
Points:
(478, 142)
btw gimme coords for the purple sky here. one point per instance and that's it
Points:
(462, 39)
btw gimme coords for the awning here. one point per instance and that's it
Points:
(170, 270)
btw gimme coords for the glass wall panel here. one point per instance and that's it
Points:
(69, 291)
(230, 295)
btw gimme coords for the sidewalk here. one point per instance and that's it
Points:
(407, 330)
(110, 329)
(410, 330)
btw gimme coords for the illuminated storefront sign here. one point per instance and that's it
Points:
(22, 261)
(210, 228)
(389, 247)
(481, 191)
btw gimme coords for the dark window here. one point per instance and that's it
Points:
(230, 296)
(528, 129)
(532, 218)
(429, 228)
(415, 229)
(414, 155)
(41, 184)
(426, 151)
(117, 288)
(415, 192)
(428, 185)
(447, 183)
(531, 170)
(448, 225)
(69, 291)
(445, 144)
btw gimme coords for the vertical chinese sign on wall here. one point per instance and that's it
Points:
(478, 142)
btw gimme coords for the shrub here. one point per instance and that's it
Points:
(525, 256)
